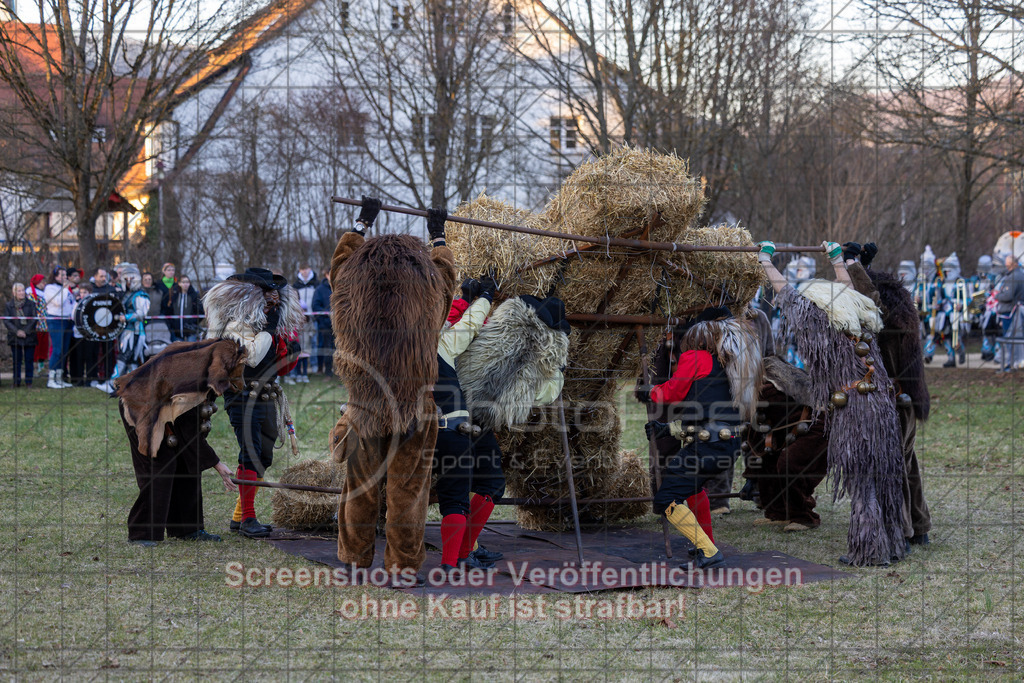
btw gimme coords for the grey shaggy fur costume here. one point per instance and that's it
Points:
(865, 450)
(234, 301)
(505, 366)
(789, 379)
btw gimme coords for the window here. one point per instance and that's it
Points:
(400, 17)
(564, 133)
(479, 131)
(508, 18)
(343, 15)
(160, 148)
(424, 125)
(352, 129)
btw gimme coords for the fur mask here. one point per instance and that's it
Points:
(506, 365)
(242, 304)
(173, 382)
(847, 309)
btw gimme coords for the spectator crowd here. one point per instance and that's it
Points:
(46, 337)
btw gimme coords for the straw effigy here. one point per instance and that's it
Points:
(306, 509)
(629, 193)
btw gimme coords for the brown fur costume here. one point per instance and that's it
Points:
(899, 343)
(788, 473)
(174, 381)
(390, 297)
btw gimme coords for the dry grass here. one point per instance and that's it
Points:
(306, 509)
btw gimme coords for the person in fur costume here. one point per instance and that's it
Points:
(258, 310)
(903, 357)
(788, 461)
(165, 406)
(390, 296)
(835, 328)
(490, 375)
(713, 391)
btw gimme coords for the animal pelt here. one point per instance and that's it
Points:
(388, 303)
(789, 379)
(506, 365)
(738, 346)
(233, 301)
(900, 340)
(174, 381)
(847, 309)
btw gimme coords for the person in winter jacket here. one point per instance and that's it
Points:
(20, 321)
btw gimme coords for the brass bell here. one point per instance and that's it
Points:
(724, 434)
(690, 429)
(254, 385)
(205, 411)
(745, 447)
(867, 337)
(742, 429)
(904, 401)
(862, 349)
(790, 438)
(863, 387)
(213, 407)
(688, 440)
(872, 386)
(704, 435)
(264, 396)
(803, 428)
(869, 361)
(172, 440)
(839, 399)
(205, 427)
(768, 450)
(764, 428)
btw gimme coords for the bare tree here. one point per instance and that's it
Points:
(951, 88)
(88, 83)
(433, 85)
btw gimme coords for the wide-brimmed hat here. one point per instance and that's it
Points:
(707, 315)
(261, 277)
(551, 312)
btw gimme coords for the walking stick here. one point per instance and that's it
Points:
(652, 449)
(572, 483)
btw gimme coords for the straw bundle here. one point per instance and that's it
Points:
(479, 251)
(306, 509)
(633, 480)
(615, 194)
(736, 273)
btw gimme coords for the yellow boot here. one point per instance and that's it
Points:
(681, 518)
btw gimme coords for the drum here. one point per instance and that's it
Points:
(99, 317)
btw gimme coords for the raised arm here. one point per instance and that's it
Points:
(835, 254)
(353, 239)
(764, 257)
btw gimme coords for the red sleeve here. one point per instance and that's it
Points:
(285, 364)
(692, 365)
(459, 307)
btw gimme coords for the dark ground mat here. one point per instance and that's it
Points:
(547, 562)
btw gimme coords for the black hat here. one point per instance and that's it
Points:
(279, 282)
(707, 315)
(261, 277)
(551, 312)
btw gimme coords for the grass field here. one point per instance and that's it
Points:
(76, 600)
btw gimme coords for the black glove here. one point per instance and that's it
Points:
(488, 287)
(657, 430)
(867, 254)
(851, 250)
(470, 290)
(643, 393)
(368, 212)
(435, 223)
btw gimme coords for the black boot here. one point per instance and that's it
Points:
(702, 561)
(251, 528)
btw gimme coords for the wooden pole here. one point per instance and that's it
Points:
(603, 241)
(652, 449)
(572, 484)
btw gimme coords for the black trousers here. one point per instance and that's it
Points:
(464, 465)
(170, 488)
(325, 351)
(685, 472)
(255, 425)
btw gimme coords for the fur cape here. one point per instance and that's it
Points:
(173, 382)
(789, 379)
(232, 301)
(847, 309)
(900, 340)
(388, 303)
(506, 365)
(738, 347)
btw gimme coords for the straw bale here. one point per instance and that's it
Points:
(614, 195)
(633, 480)
(479, 251)
(306, 509)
